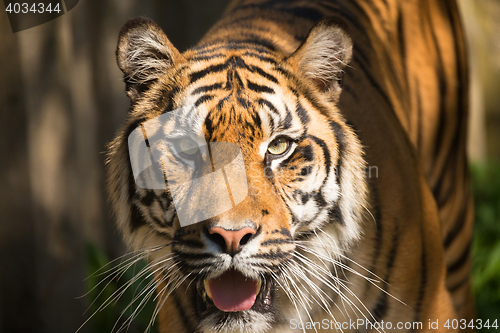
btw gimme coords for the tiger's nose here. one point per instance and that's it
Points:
(234, 239)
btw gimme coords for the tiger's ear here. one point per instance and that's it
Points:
(323, 56)
(144, 54)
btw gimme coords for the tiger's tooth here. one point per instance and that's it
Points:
(259, 284)
(207, 289)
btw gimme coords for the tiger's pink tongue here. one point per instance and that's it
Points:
(232, 291)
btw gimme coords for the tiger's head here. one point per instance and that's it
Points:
(304, 185)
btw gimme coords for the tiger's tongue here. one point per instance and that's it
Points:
(232, 291)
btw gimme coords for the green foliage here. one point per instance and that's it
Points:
(486, 243)
(103, 285)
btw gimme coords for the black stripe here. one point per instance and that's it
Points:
(302, 113)
(380, 308)
(203, 99)
(243, 102)
(285, 232)
(209, 125)
(158, 95)
(263, 102)
(326, 154)
(341, 142)
(149, 198)
(211, 69)
(304, 197)
(256, 121)
(259, 88)
(287, 122)
(305, 171)
(160, 201)
(320, 200)
(170, 99)
(136, 218)
(272, 255)
(335, 214)
(156, 220)
(206, 89)
(328, 164)
(460, 261)
(233, 80)
(276, 241)
(443, 190)
(394, 251)
(454, 159)
(307, 152)
(300, 195)
(307, 233)
(303, 151)
(207, 57)
(264, 74)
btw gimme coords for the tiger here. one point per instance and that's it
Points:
(349, 119)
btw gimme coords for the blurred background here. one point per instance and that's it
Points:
(61, 101)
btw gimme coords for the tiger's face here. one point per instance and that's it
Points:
(237, 271)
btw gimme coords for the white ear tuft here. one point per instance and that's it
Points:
(324, 54)
(144, 54)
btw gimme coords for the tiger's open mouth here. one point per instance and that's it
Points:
(233, 292)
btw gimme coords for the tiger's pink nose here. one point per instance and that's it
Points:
(234, 239)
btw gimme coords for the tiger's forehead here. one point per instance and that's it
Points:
(233, 73)
(239, 97)
(241, 55)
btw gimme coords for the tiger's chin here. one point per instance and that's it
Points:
(229, 304)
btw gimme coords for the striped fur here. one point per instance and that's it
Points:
(375, 86)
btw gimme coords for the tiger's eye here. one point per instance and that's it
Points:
(278, 146)
(188, 146)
